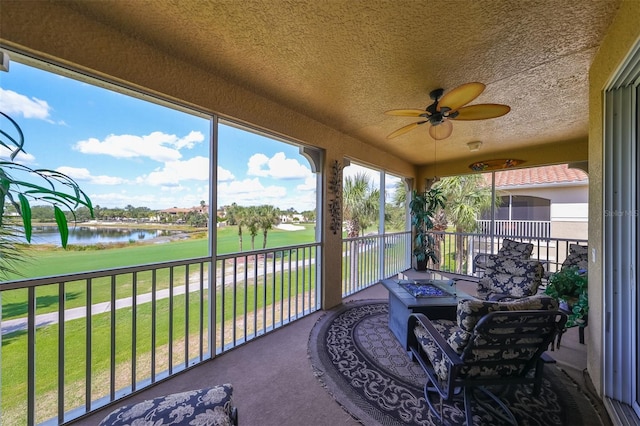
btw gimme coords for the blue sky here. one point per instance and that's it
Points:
(126, 151)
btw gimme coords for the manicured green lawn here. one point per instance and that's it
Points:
(42, 263)
(56, 262)
(247, 299)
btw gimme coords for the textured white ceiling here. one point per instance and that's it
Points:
(345, 62)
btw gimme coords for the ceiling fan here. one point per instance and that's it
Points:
(449, 107)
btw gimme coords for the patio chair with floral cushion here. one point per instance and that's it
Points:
(578, 257)
(490, 343)
(509, 277)
(509, 248)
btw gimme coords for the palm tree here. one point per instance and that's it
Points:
(252, 221)
(467, 197)
(396, 211)
(236, 216)
(360, 204)
(360, 207)
(269, 216)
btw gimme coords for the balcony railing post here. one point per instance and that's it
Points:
(160, 310)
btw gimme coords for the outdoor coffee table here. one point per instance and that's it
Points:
(428, 293)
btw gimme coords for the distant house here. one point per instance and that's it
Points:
(294, 217)
(550, 201)
(177, 214)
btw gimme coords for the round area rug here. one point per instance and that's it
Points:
(363, 366)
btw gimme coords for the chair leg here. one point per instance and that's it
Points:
(505, 413)
(468, 414)
(428, 391)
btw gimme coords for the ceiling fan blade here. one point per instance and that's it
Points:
(407, 112)
(405, 129)
(461, 95)
(441, 131)
(481, 112)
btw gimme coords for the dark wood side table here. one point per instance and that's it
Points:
(402, 303)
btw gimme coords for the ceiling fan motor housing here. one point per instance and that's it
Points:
(452, 108)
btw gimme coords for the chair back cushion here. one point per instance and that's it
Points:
(510, 276)
(511, 248)
(470, 311)
(578, 257)
(508, 344)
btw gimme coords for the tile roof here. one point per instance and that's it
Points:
(560, 173)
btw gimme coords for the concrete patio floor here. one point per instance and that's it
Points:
(274, 383)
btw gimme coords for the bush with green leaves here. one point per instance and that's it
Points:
(570, 285)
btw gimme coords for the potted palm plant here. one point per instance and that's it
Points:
(569, 287)
(423, 207)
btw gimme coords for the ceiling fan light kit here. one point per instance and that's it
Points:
(449, 106)
(474, 146)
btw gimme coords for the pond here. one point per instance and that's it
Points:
(87, 235)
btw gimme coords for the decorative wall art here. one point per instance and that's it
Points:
(335, 203)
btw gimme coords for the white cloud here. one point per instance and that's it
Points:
(22, 157)
(121, 199)
(225, 175)
(156, 146)
(308, 185)
(13, 103)
(250, 192)
(354, 169)
(83, 174)
(153, 200)
(300, 202)
(196, 168)
(278, 167)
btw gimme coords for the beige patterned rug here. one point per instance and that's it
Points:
(360, 362)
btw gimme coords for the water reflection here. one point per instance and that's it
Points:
(86, 235)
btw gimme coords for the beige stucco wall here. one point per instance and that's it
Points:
(621, 37)
(51, 31)
(569, 207)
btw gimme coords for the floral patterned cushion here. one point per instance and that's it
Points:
(510, 276)
(204, 407)
(438, 361)
(511, 248)
(458, 334)
(578, 256)
(470, 311)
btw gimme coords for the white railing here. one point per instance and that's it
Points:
(519, 228)
(367, 260)
(77, 342)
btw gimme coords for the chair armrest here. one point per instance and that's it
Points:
(496, 297)
(479, 261)
(450, 357)
(442, 343)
